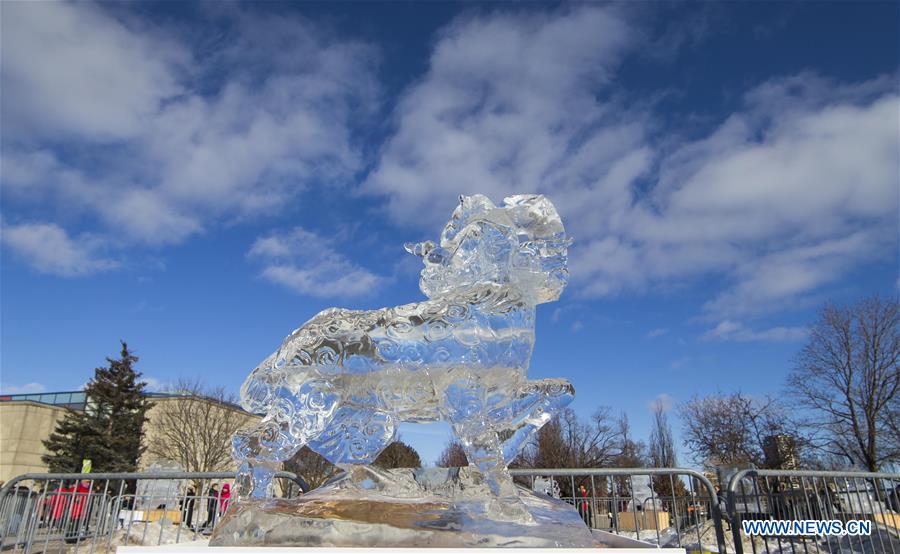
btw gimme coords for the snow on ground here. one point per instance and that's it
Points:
(147, 534)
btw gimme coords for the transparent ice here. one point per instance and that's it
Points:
(344, 380)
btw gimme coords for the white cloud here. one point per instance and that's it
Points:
(504, 104)
(28, 388)
(49, 249)
(308, 264)
(728, 330)
(653, 333)
(787, 195)
(73, 69)
(155, 137)
(662, 399)
(762, 283)
(782, 204)
(154, 384)
(557, 312)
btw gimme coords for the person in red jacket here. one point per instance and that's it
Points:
(79, 502)
(77, 524)
(584, 505)
(58, 502)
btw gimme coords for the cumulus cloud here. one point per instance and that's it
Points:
(783, 197)
(779, 202)
(653, 333)
(49, 249)
(151, 135)
(105, 84)
(309, 264)
(728, 330)
(501, 110)
(147, 134)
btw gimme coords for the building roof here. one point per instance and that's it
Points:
(77, 400)
(74, 400)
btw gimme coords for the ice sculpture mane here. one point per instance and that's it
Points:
(343, 381)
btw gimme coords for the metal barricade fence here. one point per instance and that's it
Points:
(668, 507)
(678, 508)
(777, 495)
(90, 512)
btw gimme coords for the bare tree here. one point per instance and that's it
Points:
(662, 442)
(194, 427)
(567, 442)
(453, 455)
(631, 453)
(661, 453)
(398, 454)
(847, 379)
(733, 429)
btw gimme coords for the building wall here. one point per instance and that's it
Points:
(23, 425)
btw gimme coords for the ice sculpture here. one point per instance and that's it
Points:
(343, 381)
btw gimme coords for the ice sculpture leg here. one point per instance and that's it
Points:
(535, 403)
(482, 447)
(260, 451)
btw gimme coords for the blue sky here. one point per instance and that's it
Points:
(724, 168)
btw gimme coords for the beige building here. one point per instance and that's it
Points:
(23, 425)
(28, 420)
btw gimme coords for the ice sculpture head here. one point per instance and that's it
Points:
(521, 244)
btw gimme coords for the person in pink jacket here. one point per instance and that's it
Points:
(223, 498)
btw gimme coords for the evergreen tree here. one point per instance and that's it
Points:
(398, 454)
(109, 431)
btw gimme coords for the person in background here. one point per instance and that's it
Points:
(720, 495)
(78, 520)
(59, 502)
(211, 504)
(894, 499)
(584, 505)
(187, 506)
(722, 501)
(223, 498)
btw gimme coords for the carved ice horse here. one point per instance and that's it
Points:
(344, 381)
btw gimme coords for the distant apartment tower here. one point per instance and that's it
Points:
(781, 452)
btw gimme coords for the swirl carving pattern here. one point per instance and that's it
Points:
(343, 382)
